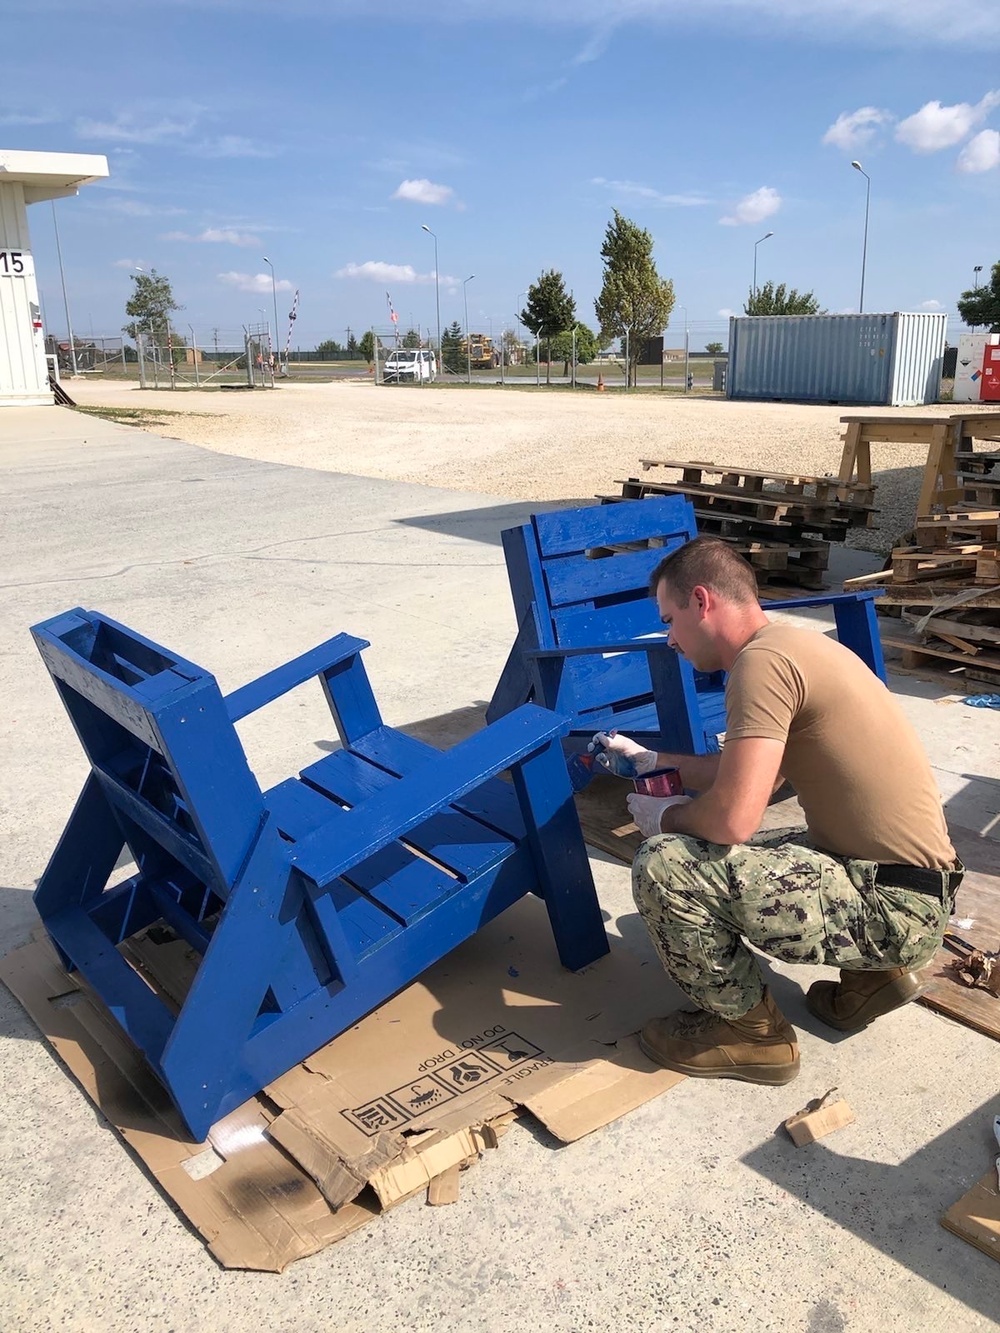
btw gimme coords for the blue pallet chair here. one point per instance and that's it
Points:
(590, 643)
(306, 903)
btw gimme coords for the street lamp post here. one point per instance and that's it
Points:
(765, 237)
(864, 247)
(274, 298)
(468, 339)
(62, 278)
(437, 290)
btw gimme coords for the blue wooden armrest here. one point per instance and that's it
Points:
(273, 684)
(825, 599)
(392, 812)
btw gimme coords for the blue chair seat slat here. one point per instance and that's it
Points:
(494, 802)
(299, 810)
(565, 530)
(464, 846)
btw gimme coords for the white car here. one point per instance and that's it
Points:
(409, 364)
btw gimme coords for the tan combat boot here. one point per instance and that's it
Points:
(760, 1047)
(852, 1003)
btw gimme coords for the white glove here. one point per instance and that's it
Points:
(622, 756)
(647, 811)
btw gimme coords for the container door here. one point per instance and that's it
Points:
(990, 390)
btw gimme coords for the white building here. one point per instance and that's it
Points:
(29, 178)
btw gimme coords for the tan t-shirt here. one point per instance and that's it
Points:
(857, 767)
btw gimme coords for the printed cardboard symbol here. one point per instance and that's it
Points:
(375, 1115)
(465, 1073)
(510, 1050)
(416, 1098)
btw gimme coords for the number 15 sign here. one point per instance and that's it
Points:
(16, 264)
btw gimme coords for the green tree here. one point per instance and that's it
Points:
(352, 344)
(771, 300)
(981, 306)
(150, 306)
(549, 310)
(714, 348)
(634, 300)
(411, 338)
(328, 348)
(587, 346)
(451, 348)
(366, 346)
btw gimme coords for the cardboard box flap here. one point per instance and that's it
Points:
(601, 1084)
(976, 1216)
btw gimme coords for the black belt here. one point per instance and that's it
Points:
(920, 879)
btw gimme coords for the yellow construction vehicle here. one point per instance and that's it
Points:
(480, 351)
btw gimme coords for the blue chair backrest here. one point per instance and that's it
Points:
(578, 572)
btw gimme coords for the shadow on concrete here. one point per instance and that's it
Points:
(485, 525)
(896, 1208)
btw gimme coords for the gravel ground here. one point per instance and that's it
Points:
(522, 444)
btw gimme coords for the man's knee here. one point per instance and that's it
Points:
(662, 863)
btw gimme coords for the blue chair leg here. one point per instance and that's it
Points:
(857, 629)
(556, 842)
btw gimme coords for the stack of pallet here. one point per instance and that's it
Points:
(782, 522)
(946, 584)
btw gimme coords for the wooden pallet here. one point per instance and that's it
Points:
(764, 509)
(823, 489)
(918, 651)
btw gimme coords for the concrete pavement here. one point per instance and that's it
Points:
(689, 1213)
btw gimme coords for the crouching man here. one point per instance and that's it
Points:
(867, 886)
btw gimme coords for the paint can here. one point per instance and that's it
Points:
(663, 782)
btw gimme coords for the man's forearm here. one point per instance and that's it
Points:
(698, 771)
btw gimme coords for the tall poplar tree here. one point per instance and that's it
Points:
(550, 310)
(634, 300)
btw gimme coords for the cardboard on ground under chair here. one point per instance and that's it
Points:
(412, 1093)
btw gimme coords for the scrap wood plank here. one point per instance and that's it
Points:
(914, 649)
(977, 920)
(969, 630)
(928, 594)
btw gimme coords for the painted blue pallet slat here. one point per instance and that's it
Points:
(576, 578)
(561, 531)
(461, 844)
(494, 801)
(265, 689)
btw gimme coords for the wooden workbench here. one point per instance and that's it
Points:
(943, 436)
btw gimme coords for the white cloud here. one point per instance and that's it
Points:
(127, 263)
(754, 208)
(375, 270)
(254, 282)
(219, 235)
(126, 128)
(424, 192)
(981, 153)
(726, 313)
(636, 191)
(28, 118)
(932, 306)
(135, 208)
(231, 145)
(853, 129)
(934, 126)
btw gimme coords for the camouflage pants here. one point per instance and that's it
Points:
(701, 901)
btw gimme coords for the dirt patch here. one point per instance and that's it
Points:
(523, 443)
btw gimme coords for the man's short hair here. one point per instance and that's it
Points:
(706, 562)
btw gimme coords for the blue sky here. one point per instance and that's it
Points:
(324, 135)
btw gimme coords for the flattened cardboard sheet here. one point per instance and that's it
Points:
(414, 1092)
(976, 1216)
